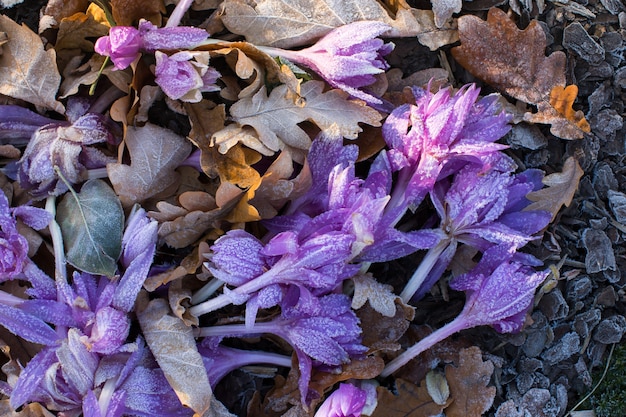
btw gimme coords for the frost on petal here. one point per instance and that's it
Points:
(109, 331)
(122, 46)
(346, 401)
(236, 258)
(28, 382)
(180, 37)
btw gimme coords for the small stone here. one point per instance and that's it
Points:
(536, 402)
(604, 179)
(610, 330)
(607, 297)
(568, 345)
(583, 372)
(612, 6)
(538, 335)
(617, 203)
(612, 276)
(601, 97)
(559, 392)
(529, 365)
(585, 322)
(576, 39)
(620, 75)
(606, 123)
(579, 288)
(524, 382)
(526, 136)
(553, 305)
(599, 224)
(509, 409)
(600, 256)
(612, 41)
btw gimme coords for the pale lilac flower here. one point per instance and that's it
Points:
(185, 75)
(17, 124)
(437, 136)
(348, 57)
(346, 401)
(124, 43)
(67, 147)
(499, 293)
(322, 331)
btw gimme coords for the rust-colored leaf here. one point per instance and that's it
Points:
(411, 401)
(75, 30)
(561, 187)
(514, 62)
(128, 12)
(468, 385)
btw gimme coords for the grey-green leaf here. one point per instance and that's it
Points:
(92, 224)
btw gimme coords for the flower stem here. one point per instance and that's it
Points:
(178, 13)
(60, 270)
(206, 291)
(421, 273)
(426, 343)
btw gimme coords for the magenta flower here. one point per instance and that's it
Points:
(185, 75)
(499, 293)
(346, 401)
(348, 57)
(124, 43)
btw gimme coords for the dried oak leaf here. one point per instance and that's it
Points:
(27, 71)
(75, 74)
(275, 117)
(74, 31)
(514, 62)
(128, 12)
(560, 190)
(411, 401)
(155, 152)
(174, 347)
(29, 410)
(382, 333)
(468, 384)
(380, 296)
(285, 24)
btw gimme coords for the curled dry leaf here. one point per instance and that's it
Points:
(300, 23)
(513, 61)
(560, 190)
(128, 12)
(381, 333)
(74, 31)
(276, 117)
(174, 347)
(380, 296)
(27, 71)
(468, 384)
(155, 152)
(411, 401)
(28, 410)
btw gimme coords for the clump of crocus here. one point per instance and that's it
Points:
(124, 44)
(499, 293)
(322, 330)
(438, 135)
(346, 401)
(185, 75)
(480, 209)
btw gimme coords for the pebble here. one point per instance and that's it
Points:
(617, 203)
(585, 322)
(610, 330)
(583, 372)
(539, 403)
(607, 297)
(578, 288)
(538, 335)
(553, 305)
(568, 345)
(601, 97)
(612, 6)
(509, 409)
(620, 77)
(576, 39)
(526, 136)
(600, 256)
(529, 365)
(606, 123)
(524, 382)
(604, 179)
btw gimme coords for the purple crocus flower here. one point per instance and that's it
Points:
(346, 401)
(480, 209)
(324, 330)
(499, 293)
(347, 57)
(124, 43)
(185, 75)
(67, 147)
(437, 136)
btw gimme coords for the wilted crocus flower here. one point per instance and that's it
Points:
(124, 43)
(66, 147)
(437, 136)
(347, 57)
(346, 401)
(481, 210)
(323, 329)
(499, 293)
(185, 75)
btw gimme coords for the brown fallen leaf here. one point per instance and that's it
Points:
(513, 61)
(75, 30)
(560, 190)
(155, 152)
(128, 12)
(29, 410)
(27, 71)
(411, 401)
(381, 333)
(468, 385)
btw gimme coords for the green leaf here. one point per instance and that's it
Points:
(92, 223)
